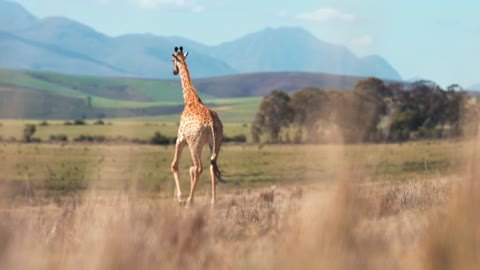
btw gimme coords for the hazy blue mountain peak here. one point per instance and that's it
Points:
(64, 45)
(13, 17)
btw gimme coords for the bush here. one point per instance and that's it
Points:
(67, 123)
(59, 138)
(79, 122)
(237, 138)
(43, 124)
(121, 139)
(159, 138)
(36, 140)
(99, 122)
(28, 132)
(90, 138)
(138, 141)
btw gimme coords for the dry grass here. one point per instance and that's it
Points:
(348, 222)
(412, 225)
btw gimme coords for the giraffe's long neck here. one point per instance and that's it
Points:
(189, 93)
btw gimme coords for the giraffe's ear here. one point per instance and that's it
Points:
(176, 58)
(185, 55)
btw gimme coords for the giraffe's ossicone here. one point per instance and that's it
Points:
(198, 126)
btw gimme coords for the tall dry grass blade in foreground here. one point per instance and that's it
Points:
(416, 225)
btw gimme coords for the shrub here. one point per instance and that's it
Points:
(137, 141)
(90, 138)
(67, 123)
(43, 123)
(159, 138)
(58, 138)
(79, 122)
(122, 139)
(99, 122)
(28, 132)
(237, 138)
(36, 140)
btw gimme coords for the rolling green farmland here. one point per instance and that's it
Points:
(44, 95)
(102, 89)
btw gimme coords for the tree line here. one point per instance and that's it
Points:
(373, 111)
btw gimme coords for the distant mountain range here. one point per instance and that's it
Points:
(62, 45)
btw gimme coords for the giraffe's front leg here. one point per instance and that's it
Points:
(177, 191)
(195, 172)
(190, 201)
(174, 167)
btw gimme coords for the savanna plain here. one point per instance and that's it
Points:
(331, 206)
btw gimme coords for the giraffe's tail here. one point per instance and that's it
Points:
(216, 171)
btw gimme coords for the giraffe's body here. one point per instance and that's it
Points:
(198, 126)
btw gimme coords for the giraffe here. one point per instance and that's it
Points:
(198, 126)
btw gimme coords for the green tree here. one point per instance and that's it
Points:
(360, 110)
(423, 108)
(309, 107)
(257, 127)
(28, 132)
(274, 113)
(374, 87)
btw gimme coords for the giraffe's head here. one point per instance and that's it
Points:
(178, 58)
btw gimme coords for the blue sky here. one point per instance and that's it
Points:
(437, 40)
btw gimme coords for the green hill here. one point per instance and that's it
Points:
(261, 84)
(127, 89)
(46, 95)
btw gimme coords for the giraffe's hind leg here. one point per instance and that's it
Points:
(195, 171)
(180, 144)
(214, 186)
(212, 176)
(215, 173)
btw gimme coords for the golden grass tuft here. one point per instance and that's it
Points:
(348, 225)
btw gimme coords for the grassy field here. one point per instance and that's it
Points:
(89, 206)
(61, 169)
(410, 226)
(140, 128)
(332, 206)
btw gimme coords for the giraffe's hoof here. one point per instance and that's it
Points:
(181, 202)
(189, 204)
